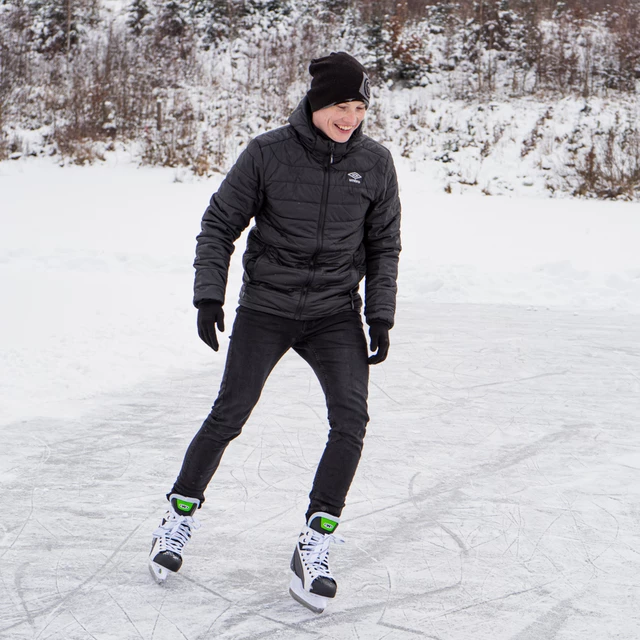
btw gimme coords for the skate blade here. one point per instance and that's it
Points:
(312, 601)
(159, 573)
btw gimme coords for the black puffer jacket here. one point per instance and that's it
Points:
(326, 215)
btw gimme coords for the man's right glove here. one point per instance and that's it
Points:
(210, 314)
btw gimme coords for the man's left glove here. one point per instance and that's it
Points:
(379, 334)
(210, 314)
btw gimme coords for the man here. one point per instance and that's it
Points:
(324, 201)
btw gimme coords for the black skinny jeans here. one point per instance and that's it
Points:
(335, 347)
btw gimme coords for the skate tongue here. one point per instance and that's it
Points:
(184, 506)
(323, 522)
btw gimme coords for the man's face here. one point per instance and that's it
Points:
(339, 121)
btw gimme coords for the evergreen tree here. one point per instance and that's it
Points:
(139, 16)
(57, 26)
(213, 20)
(53, 26)
(172, 20)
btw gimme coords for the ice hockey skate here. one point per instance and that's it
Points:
(312, 584)
(171, 536)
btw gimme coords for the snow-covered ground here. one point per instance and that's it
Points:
(498, 494)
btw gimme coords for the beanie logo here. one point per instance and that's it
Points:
(355, 177)
(365, 88)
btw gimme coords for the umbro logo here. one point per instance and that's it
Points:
(355, 177)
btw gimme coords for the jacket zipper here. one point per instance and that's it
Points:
(324, 204)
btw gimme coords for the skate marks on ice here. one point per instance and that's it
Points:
(497, 496)
(515, 491)
(76, 501)
(549, 624)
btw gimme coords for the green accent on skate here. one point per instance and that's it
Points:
(328, 525)
(184, 506)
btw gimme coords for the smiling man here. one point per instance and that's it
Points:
(323, 198)
(339, 95)
(339, 121)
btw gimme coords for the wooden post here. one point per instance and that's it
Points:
(109, 125)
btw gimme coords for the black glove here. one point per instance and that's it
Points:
(379, 334)
(210, 314)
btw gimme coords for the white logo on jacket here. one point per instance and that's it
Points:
(355, 177)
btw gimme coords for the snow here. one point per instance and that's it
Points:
(498, 494)
(540, 251)
(518, 147)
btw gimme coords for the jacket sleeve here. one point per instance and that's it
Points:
(230, 210)
(382, 245)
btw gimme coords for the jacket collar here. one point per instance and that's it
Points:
(314, 140)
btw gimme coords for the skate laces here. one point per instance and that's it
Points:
(314, 547)
(175, 532)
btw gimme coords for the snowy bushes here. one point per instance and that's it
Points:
(611, 167)
(587, 148)
(78, 77)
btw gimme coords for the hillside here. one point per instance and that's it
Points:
(493, 96)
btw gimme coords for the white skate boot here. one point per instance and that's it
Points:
(312, 584)
(171, 536)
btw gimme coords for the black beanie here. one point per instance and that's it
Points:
(337, 78)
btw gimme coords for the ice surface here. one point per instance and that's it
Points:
(498, 494)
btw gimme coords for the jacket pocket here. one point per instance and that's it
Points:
(359, 262)
(252, 262)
